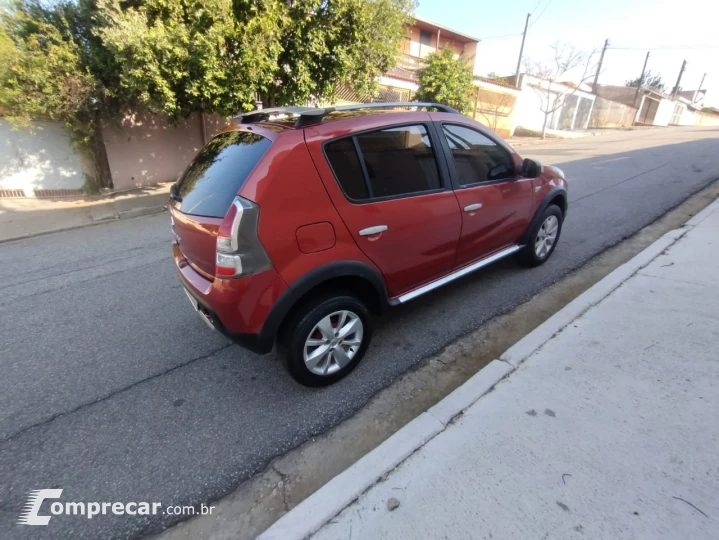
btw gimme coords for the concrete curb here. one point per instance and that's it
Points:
(96, 217)
(467, 394)
(701, 216)
(314, 512)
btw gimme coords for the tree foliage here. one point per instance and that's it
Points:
(180, 56)
(43, 76)
(566, 59)
(72, 60)
(652, 81)
(446, 79)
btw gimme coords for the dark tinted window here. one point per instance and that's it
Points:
(476, 157)
(214, 177)
(346, 166)
(399, 161)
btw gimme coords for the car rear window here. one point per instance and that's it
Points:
(214, 177)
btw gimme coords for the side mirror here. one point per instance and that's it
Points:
(531, 168)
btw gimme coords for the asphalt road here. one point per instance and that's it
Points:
(112, 388)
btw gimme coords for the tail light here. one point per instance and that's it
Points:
(239, 251)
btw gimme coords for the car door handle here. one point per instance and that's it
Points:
(369, 231)
(472, 207)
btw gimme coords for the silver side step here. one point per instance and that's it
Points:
(458, 274)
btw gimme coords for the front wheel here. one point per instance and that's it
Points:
(327, 339)
(543, 238)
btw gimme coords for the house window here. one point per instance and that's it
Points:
(425, 37)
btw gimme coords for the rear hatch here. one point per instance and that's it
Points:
(205, 191)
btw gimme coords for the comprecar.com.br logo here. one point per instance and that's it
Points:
(30, 514)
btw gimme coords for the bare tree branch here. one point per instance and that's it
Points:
(553, 96)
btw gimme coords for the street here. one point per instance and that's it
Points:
(113, 389)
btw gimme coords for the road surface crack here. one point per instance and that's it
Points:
(283, 486)
(111, 394)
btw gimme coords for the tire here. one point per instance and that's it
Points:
(330, 356)
(534, 255)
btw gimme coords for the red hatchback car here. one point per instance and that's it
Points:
(294, 225)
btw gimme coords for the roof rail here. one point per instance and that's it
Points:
(307, 116)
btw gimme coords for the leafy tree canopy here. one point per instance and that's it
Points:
(41, 71)
(179, 56)
(652, 81)
(446, 79)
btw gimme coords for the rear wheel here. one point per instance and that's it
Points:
(326, 339)
(543, 238)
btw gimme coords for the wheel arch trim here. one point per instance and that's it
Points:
(315, 278)
(548, 198)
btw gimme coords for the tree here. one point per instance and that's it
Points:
(182, 56)
(446, 79)
(492, 107)
(42, 76)
(327, 43)
(565, 59)
(652, 81)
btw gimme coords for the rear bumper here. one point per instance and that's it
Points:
(237, 308)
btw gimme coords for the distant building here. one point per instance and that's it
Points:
(423, 38)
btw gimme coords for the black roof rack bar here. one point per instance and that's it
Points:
(308, 116)
(262, 114)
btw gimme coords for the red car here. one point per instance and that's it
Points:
(294, 225)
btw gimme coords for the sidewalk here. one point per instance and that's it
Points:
(23, 218)
(604, 423)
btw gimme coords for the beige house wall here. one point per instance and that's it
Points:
(144, 148)
(706, 119)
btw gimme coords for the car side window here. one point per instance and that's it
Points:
(346, 166)
(392, 162)
(477, 158)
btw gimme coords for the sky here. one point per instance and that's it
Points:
(675, 31)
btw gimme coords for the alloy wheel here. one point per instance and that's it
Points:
(546, 236)
(333, 342)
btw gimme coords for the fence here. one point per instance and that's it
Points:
(38, 162)
(493, 106)
(608, 113)
(706, 119)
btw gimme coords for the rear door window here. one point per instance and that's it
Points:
(211, 182)
(393, 162)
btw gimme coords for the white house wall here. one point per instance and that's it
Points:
(529, 113)
(38, 158)
(664, 113)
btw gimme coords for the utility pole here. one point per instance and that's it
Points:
(521, 49)
(679, 80)
(641, 79)
(700, 88)
(599, 67)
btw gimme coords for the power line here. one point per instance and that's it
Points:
(542, 13)
(530, 26)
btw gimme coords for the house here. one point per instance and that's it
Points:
(654, 108)
(696, 98)
(570, 104)
(423, 38)
(493, 104)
